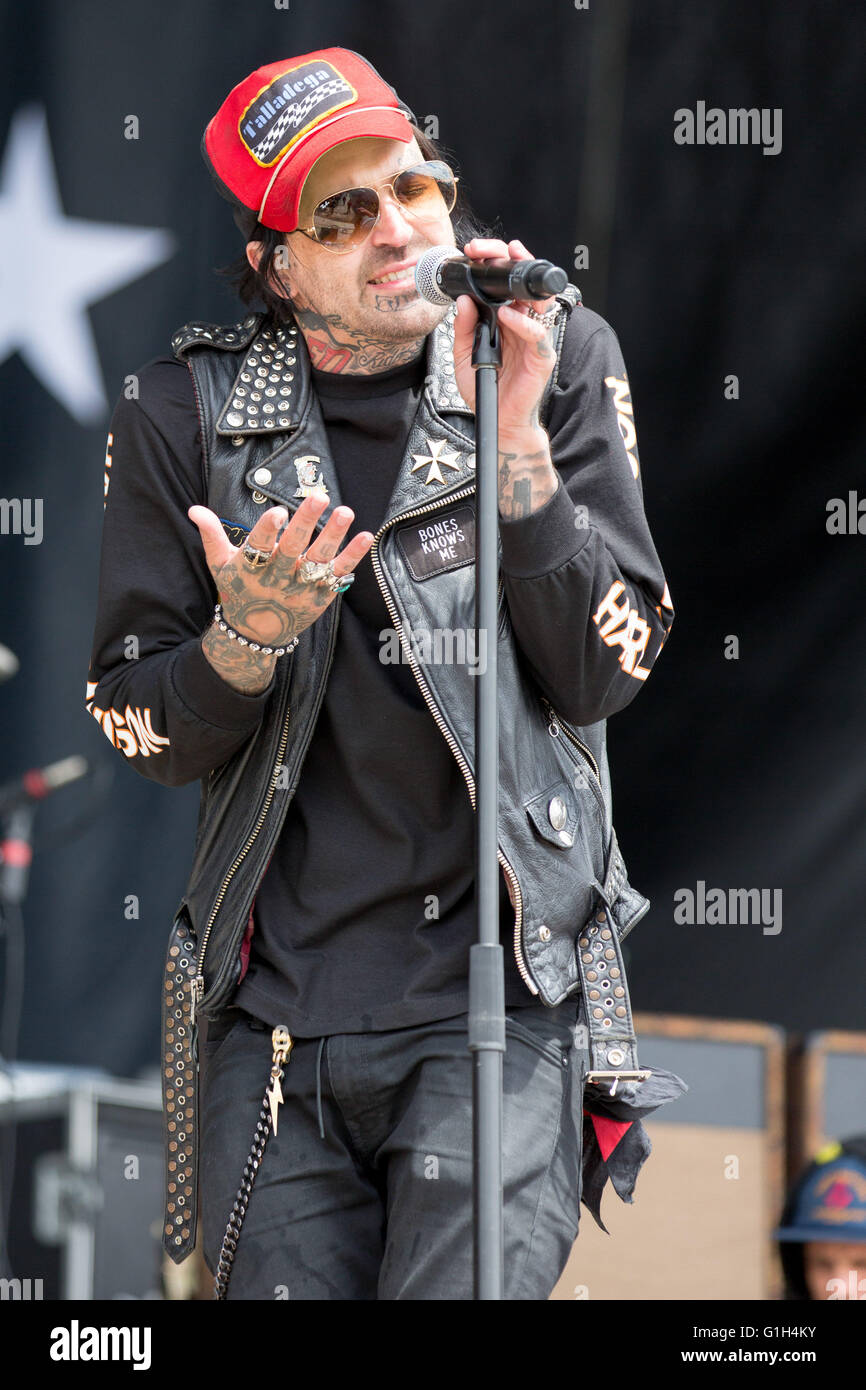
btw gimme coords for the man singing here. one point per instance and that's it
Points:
(290, 532)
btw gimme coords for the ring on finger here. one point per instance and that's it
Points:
(256, 558)
(313, 571)
(322, 572)
(547, 320)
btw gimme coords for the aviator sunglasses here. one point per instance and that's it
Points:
(344, 221)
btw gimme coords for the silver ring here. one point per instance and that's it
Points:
(339, 583)
(547, 319)
(256, 558)
(322, 572)
(314, 571)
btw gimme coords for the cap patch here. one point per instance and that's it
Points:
(290, 106)
(838, 1197)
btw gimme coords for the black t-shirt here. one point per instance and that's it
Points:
(366, 913)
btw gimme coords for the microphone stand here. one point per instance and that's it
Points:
(16, 835)
(486, 1023)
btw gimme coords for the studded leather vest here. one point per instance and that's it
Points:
(264, 444)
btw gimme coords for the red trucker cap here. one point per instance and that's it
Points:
(273, 126)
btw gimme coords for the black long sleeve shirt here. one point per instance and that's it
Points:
(366, 912)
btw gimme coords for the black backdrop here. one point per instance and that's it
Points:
(708, 261)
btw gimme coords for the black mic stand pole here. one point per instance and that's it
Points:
(16, 834)
(486, 968)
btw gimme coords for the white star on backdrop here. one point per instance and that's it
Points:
(436, 459)
(54, 266)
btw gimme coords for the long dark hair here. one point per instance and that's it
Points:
(254, 286)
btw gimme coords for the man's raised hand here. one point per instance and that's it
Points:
(271, 604)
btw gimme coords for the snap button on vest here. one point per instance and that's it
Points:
(557, 812)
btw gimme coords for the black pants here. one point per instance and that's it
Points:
(366, 1192)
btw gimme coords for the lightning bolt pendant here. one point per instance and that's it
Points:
(282, 1043)
(275, 1099)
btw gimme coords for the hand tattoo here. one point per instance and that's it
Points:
(270, 608)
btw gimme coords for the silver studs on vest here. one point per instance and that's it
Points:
(263, 394)
(442, 381)
(232, 335)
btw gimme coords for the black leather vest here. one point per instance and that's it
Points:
(265, 441)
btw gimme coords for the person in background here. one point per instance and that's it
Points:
(822, 1233)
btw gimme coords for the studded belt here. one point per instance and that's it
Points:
(180, 1093)
(611, 1039)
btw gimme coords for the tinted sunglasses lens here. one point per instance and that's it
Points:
(344, 220)
(425, 188)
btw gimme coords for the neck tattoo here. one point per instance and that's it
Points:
(335, 347)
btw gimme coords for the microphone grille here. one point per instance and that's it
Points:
(425, 273)
(8, 664)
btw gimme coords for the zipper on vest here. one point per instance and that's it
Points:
(557, 725)
(198, 984)
(449, 737)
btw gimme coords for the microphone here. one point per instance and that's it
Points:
(441, 274)
(8, 664)
(42, 781)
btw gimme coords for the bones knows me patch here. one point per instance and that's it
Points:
(434, 545)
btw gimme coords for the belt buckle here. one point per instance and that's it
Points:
(639, 1075)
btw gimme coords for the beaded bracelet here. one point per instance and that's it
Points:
(248, 641)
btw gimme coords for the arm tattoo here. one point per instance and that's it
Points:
(526, 482)
(246, 671)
